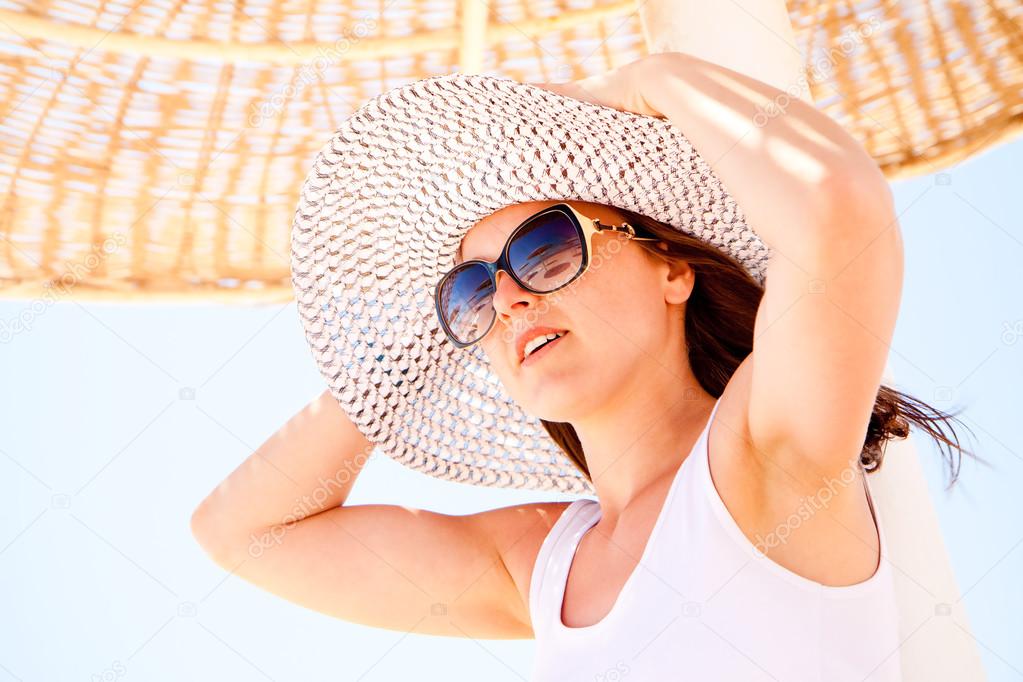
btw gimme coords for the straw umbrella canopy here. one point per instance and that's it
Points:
(154, 150)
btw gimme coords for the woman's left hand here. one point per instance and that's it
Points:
(620, 88)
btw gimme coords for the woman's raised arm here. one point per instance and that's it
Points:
(833, 283)
(279, 521)
(305, 467)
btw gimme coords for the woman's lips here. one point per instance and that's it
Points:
(543, 350)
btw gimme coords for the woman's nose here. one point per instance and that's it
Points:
(509, 296)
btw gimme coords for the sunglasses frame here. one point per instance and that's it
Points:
(588, 227)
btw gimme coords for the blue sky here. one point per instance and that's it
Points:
(102, 460)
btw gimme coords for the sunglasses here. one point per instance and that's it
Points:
(545, 253)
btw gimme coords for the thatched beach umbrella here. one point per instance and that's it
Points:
(155, 149)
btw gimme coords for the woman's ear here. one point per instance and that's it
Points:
(678, 280)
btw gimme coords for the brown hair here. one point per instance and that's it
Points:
(720, 315)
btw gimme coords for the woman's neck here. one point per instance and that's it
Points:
(642, 437)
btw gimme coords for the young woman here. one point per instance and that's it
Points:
(725, 417)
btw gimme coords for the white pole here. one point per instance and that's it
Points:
(938, 643)
(473, 35)
(753, 37)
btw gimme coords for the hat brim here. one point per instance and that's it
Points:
(380, 217)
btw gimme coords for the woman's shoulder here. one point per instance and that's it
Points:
(518, 531)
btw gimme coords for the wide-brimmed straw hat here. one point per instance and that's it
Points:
(381, 215)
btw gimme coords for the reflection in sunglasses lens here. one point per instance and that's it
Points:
(547, 253)
(465, 301)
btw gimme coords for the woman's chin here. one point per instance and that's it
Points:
(551, 405)
(548, 392)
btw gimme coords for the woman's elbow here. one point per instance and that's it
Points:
(856, 197)
(206, 531)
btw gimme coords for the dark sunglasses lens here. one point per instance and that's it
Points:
(466, 302)
(547, 252)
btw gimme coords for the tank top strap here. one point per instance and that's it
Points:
(553, 561)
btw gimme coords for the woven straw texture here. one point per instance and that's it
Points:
(383, 210)
(155, 150)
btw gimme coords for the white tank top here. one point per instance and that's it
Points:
(703, 604)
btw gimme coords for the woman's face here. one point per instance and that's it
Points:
(623, 319)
